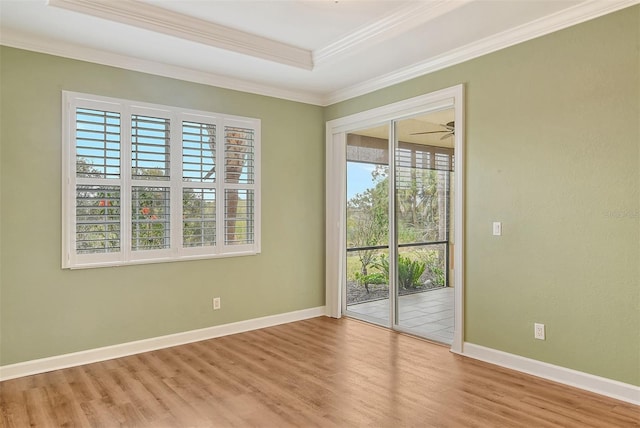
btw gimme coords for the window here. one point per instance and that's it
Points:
(147, 183)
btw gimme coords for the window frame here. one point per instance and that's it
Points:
(176, 251)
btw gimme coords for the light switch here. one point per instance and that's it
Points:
(497, 228)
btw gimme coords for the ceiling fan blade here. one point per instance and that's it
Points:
(450, 127)
(427, 132)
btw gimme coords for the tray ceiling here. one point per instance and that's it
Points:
(320, 51)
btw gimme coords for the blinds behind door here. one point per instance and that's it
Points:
(376, 151)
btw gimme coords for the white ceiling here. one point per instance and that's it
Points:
(320, 51)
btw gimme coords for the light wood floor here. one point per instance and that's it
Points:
(320, 372)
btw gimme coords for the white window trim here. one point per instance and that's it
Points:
(176, 251)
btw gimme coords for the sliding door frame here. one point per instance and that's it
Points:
(336, 131)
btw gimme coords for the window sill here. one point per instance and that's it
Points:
(79, 266)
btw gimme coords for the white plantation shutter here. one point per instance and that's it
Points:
(240, 178)
(97, 219)
(97, 134)
(94, 219)
(150, 191)
(146, 183)
(150, 148)
(239, 152)
(199, 217)
(444, 161)
(198, 152)
(199, 183)
(415, 160)
(239, 217)
(150, 218)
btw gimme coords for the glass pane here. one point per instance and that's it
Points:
(239, 217)
(424, 160)
(198, 152)
(149, 218)
(150, 156)
(367, 260)
(425, 302)
(97, 219)
(239, 153)
(198, 217)
(367, 285)
(421, 204)
(97, 143)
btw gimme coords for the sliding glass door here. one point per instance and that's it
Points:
(398, 216)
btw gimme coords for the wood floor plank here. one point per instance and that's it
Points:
(320, 372)
(39, 415)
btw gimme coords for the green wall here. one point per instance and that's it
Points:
(552, 151)
(552, 148)
(48, 311)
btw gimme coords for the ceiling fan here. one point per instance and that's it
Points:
(450, 129)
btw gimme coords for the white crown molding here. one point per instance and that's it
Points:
(58, 362)
(580, 13)
(29, 42)
(401, 21)
(600, 385)
(186, 27)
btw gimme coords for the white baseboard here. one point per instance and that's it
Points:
(57, 362)
(599, 385)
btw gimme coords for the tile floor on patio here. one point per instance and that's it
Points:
(428, 314)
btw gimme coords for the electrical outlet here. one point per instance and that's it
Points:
(216, 303)
(538, 331)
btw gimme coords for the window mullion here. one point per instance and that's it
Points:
(96, 181)
(175, 192)
(125, 194)
(220, 178)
